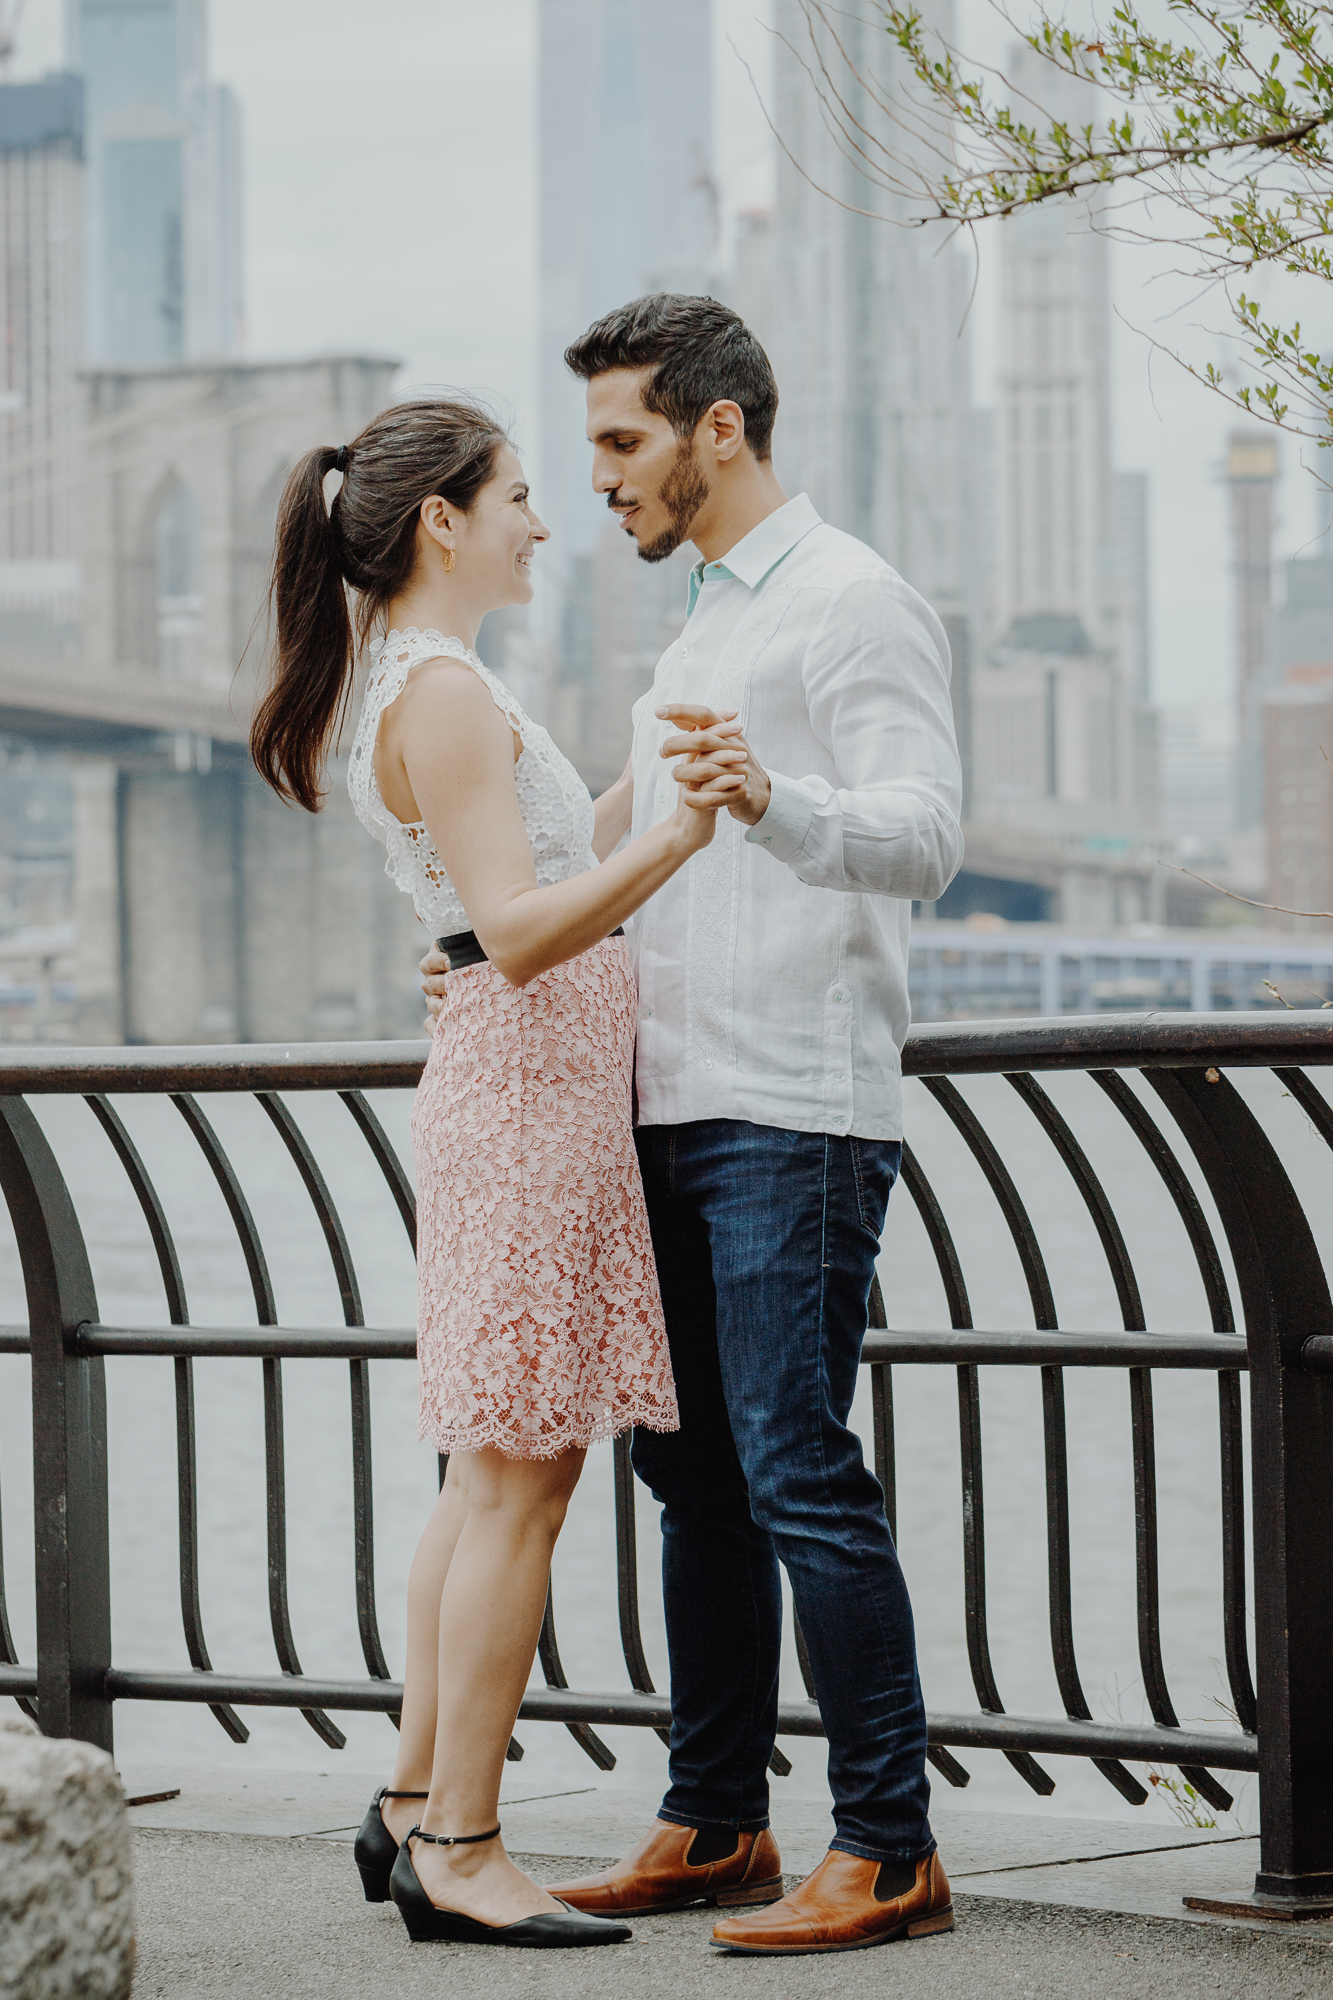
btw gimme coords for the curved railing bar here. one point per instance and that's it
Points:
(150, 1205)
(940, 1237)
(275, 1476)
(973, 1496)
(1312, 1102)
(548, 1651)
(387, 1160)
(363, 1524)
(627, 1574)
(1236, 1639)
(294, 1139)
(344, 1270)
(1054, 1430)
(1160, 1704)
(187, 1478)
(1080, 1170)
(979, 1143)
(8, 1652)
(1151, 1138)
(261, 1285)
(1146, 1567)
(1147, 1575)
(950, 1268)
(1231, 1452)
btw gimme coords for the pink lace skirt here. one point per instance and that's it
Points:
(539, 1321)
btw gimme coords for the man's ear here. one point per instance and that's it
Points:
(725, 424)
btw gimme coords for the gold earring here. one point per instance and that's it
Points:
(449, 560)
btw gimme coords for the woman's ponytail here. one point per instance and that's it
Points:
(311, 679)
(367, 541)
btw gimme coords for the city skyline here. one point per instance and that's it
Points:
(470, 208)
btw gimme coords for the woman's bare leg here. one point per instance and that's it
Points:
(490, 1617)
(421, 1677)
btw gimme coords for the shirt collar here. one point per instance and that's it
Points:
(750, 561)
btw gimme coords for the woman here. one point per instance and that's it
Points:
(539, 1322)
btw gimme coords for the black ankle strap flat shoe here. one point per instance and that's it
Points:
(552, 1931)
(376, 1847)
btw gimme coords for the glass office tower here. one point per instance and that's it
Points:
(163, 151)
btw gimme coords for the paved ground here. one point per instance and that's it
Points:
(1139, 1867)
(253, 1916)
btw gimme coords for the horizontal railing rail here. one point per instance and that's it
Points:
(1192, 1128)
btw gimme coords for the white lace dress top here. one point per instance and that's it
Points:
(555, 803)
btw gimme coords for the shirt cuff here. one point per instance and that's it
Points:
(785, 825)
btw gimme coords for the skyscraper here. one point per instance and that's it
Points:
(164, 212)
(41, 310)
(1062, 730)
(1252, 470)
(1057, 491)
(868, 333)
(628, 206)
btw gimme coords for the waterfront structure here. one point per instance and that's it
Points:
(627, 206)
(41, 311)
(1251, 472)
(989, 970)
(164, 280)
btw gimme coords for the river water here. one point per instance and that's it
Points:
(231, 1475)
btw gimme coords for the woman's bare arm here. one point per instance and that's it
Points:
(455, 750)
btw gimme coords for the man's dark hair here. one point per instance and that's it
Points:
(704, 354)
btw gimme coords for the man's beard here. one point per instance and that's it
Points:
(683, 493)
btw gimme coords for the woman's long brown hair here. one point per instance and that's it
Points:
(367, 542)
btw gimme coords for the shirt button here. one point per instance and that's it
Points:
(708, 1062)
(684, 652)
(838, 1078)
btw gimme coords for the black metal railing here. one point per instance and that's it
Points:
(1283, 1708)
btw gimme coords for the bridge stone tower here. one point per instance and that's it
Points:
(205, 909)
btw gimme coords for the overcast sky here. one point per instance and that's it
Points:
(391, 206)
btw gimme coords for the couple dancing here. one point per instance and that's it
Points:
(793, 784)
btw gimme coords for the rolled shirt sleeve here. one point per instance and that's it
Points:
(876, 680)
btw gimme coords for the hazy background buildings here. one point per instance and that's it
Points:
(1141, 623)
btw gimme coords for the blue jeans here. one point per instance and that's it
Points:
(765, 1243)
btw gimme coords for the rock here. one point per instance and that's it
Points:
(66, 1892)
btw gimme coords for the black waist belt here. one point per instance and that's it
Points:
(464, 948)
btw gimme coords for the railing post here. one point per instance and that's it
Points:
(68, 1438)
(1285, 1296)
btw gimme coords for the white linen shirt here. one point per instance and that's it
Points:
(772, 967)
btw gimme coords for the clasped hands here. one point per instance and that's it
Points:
(712, 756)
(716, 765)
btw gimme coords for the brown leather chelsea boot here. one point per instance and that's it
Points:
(660, 1874)
(847, 1905)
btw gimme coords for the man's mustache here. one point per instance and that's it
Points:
(621, 506)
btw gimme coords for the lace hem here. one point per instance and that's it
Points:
(496, 1435)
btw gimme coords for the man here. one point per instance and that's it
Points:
(773, 1007)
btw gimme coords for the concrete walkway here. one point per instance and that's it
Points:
(245, 1887)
